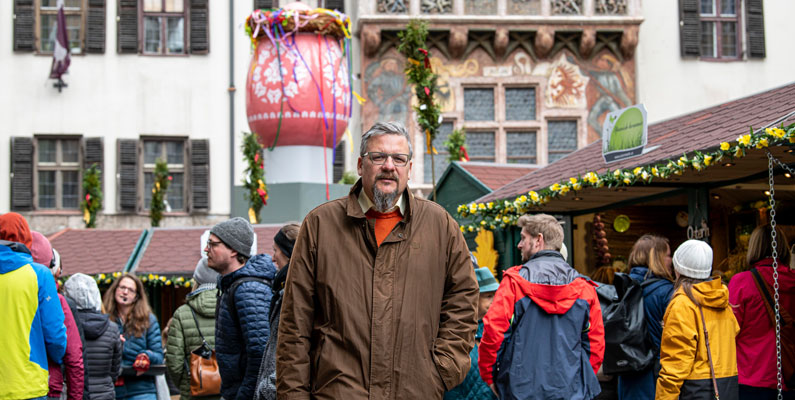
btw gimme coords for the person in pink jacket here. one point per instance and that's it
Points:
(41, 250)
(756, 342)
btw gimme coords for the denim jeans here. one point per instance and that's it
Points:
(145, 396)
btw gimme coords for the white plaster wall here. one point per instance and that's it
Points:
(670, 85)
(125, 96)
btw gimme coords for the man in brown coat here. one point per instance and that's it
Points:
(381, 296)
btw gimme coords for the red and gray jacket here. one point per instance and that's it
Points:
(543, 335)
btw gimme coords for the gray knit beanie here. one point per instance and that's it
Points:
(693, 259)
(204, 274)
(236, 233)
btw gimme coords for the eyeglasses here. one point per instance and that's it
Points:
(212, 244)
(125, 288)
(378, 158)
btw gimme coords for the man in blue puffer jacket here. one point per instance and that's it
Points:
(241, 328)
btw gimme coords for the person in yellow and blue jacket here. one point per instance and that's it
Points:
(33, 321)
(684, 355)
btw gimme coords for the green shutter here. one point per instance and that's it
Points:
(755, 28)
(127, 27)
(199, 27)
(23, 25)
(21, 173)
(128, 174)
(95, 27)
(200, 175)
(689, 28)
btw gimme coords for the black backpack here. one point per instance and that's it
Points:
(80, 329)
(628, 348)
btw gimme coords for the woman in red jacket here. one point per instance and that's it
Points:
(756, 342)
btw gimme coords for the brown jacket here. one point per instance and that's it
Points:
(361, 321)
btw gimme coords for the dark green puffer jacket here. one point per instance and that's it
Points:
(183, 336)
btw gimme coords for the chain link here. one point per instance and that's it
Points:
(771, 176)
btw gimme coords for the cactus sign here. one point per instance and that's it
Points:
(624, 133)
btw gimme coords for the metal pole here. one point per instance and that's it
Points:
(231, 91)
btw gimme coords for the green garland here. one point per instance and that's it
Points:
(92, 186)
(257, 191)
(493, 215)
(419, 73)
(159, 190)
(104, 280)
(456, 145)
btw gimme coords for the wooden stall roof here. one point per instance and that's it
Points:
(495, 176)
(95, 251)
(175, 251)
(701, 130)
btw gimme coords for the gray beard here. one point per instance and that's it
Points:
(383, 201)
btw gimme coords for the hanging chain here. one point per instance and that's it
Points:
(771, 175)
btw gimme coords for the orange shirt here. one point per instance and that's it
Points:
(384, 223)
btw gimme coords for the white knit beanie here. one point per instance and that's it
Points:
(693, 259)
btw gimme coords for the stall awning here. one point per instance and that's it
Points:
(96, 251)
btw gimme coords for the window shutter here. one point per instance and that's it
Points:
(689, 28)
(127, 27)
(199, 27)
(95, 27)
(21, 173)
(23, 25)
(128, 174)
(755, 28)
(200, 175)
(338, 5)
(339, 162)
(263, 4)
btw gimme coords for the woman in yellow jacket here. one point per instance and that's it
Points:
(684, 356)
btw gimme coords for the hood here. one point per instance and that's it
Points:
(712, 293)
(14, 228)
(549, 268)
(204, 302)
(258, 266)
(83, 290)
(94, 323)
(638, 273)
(11, 260)
(554, 299)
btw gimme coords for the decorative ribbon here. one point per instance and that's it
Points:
(428, 144)
(465, 156)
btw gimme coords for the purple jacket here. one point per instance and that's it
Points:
(72, 360)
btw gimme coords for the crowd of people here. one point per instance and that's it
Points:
(377, 296)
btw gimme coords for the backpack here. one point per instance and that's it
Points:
(628, 348)
(80, 329)
(230, 295)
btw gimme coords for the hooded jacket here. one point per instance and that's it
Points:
(184, 335)
(543, 334)
(240, 343)
(359, 320)
(33, 324)
(72, 371)
(685, 371)
(102, 354)
(756, 342)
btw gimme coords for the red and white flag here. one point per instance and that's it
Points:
(60, 56)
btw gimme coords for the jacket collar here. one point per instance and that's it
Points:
(354, 208)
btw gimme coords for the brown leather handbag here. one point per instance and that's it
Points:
(205, 379)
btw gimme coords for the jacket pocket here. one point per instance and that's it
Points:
(442, 364)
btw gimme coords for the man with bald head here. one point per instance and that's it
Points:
(381, 296)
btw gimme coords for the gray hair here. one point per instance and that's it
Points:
(385, 128)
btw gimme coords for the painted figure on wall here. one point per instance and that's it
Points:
(387, 90)
(610, 89)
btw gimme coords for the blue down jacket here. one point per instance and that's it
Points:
(655, 300)
(240, 343)
(149, 343)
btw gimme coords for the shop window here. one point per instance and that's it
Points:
(521, 147)
(163, 27)
(439, 160)
(58, 180)
(479, 104)
(562, 139)
(520, 104)
(481, 146)
(711, 29)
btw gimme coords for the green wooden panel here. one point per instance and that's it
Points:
(457, 189)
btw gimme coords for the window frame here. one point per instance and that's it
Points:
(145, 168)
(717, 19)
(184, 14)
(39, 11)
(58, 166)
